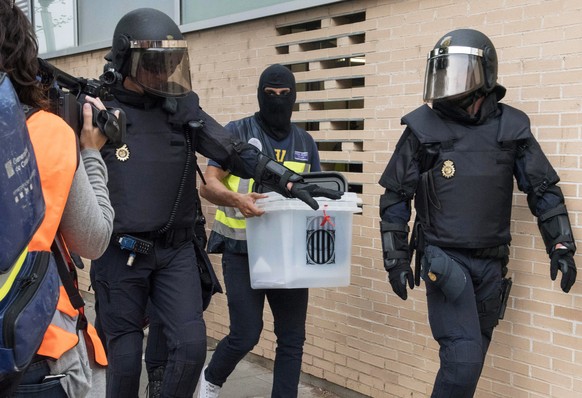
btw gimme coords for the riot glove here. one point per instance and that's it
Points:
(563, 259)
(399, 274)
(306, 193)
(396, 257)
(273, 176)
(555, 229)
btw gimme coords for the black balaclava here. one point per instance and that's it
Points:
(275, 110)
(456, 109)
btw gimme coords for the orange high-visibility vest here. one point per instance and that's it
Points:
(56, 153)
(57, 157)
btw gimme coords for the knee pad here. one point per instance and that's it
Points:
(462, 362)
(124, 354)
(190, 352)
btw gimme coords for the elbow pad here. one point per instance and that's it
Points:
(394, 243)
(555, 228)
(541, 193)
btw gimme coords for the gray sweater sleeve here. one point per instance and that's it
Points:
(87, 222)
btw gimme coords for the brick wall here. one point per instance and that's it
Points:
(364, 337)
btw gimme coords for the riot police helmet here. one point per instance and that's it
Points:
(149, 47)
(463, 62)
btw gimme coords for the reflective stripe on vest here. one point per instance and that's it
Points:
(229, 221)
(7, 280)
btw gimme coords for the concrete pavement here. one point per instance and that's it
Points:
(252, 377)
(251, 380)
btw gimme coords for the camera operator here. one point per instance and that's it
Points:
(75, 193)
(152, 181)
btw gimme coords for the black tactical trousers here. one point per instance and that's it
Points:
(169, 278)
(463, 328)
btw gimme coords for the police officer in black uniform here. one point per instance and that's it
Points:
(458, 160)
(151, 184)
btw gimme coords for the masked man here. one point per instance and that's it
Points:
(270, 130)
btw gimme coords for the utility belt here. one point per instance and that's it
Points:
(171, 238)
(418, 243)
(143, 242)
(438, 267)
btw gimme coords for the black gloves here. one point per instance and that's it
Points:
(273, 176)
(396, 257)
(399, 274)
(306, 193)
(555, 228)
(563, 259)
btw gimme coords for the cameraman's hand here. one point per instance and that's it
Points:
(91, 137)
(399, 274)
(562, 258)
(306, 193)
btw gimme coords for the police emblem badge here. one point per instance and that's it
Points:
(122, 153)
(448, 169)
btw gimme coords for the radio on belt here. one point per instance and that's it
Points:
(134, 245)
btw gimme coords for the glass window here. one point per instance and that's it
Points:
(98, 18)
(54, 24)
(201, 14)
(200, 10)
(69, 26)
(24, 5)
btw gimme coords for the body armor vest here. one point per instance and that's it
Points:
(464, 196)
(229, 228)
(145, 174)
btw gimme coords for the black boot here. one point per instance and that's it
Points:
(155, 379)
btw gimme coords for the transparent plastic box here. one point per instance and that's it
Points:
(293, 246)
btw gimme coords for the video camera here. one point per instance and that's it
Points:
(67, 96)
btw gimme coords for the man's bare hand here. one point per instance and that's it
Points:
(246, 205)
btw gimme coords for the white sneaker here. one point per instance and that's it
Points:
(207, 389)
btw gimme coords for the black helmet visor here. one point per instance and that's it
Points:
(452, 71)
(161, 66)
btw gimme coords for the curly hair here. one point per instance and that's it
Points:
(18, 55)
